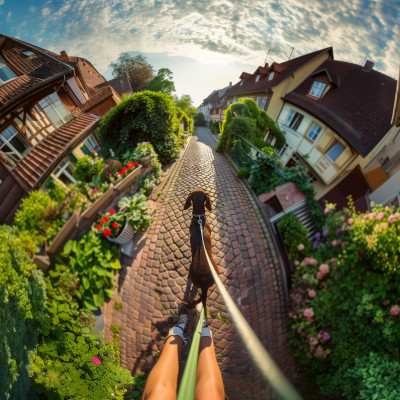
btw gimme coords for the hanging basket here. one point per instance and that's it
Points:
(126, 236)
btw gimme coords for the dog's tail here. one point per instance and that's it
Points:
(201, 299)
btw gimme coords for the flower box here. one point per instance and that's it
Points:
(127, 234)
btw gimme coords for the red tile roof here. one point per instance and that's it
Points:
(359, 108)
(33, 72)
(120, 85)
(51, 150)
(90, 74)
(287, 68)
(97, 98)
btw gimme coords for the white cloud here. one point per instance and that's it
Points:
(1, 2)
(45, 11)
(31, 9)
(8, 16)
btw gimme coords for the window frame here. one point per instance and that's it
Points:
(318, 134)
(264, 101)
(290, 124)
(282, 151)
(6, 142)
(51, 104)
(257, 78)
(258, 101)
(9, 69)
(241, 82)
(271, 75)
(317, 83)
(333, 145)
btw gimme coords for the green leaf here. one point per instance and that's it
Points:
(100, 284)
(68, 337)
(89, 304)
(85, 282)
(115, 264)
(67, 249)
(55, 320)
(109, 292)
(98, 298)
(64, 316)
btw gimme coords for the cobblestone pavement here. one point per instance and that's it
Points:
(152, 282)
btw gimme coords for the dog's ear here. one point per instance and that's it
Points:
(208, 202)
(188, 202)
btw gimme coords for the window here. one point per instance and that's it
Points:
(258, 101)
(271, 76)
(270, 138)
(281, 152)
(317, 89)
(5, 73)
(91, 143)
(55, 110)
(311, 178)
(241, 82)
(28, 53)
(294, 120)
(13, 145)
(257, 78)
(64, 172)
(264, 101)
(335, 151)
(314, 132)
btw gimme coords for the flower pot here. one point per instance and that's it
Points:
(126, 236)
(145, 161)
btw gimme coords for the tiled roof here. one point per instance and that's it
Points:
(287, 68)
(220, 105)
(97, 98)
(359, 108)
(32, 71)
(209, 96)
(43, 158)
(90, 74)
(120, 85)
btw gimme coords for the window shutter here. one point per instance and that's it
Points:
(343, 158)
(324, 140)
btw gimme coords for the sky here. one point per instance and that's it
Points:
(208, 43)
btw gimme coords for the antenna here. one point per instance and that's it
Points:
(269, 50)
(291, 53)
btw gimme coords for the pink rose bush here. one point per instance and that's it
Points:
(344, 291)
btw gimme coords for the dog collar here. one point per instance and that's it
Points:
(198, 215)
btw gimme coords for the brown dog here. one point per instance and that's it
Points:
(199, 271)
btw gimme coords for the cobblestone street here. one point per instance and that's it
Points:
(152, 283)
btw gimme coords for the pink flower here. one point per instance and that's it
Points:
(308, 313)
(371, 216)
(361, 251)
(397, 215)
(334, 243)
(391, 219)
(307, 261)
(312, 293)
(308, 355)
(324, 268)
(351, 227)
(297, 263)
(300, 247)
(313, 342)
(326, 210)
(313, 261)
(342, 218)
(299, 330)
(350, 221)
(394, 311)
(96, 360)
(386, 302)
(325, 336)
(319, 275)
(380, 216)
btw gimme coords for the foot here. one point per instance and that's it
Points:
(205, 330)
(182, 327)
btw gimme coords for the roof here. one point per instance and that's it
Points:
(287, 68)
(359, 109)
(51, 150)
(120, 84)
(96, 99)
(90, 74)
(33, 72)
(396, 107)
(221, 105)
(209, 96)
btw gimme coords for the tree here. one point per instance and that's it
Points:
(184, 103)
(199, 119)
(162, 82)
(192, 112)
(139, 71)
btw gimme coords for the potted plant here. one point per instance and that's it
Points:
(115, 227)
(120, 175)
(136, 211)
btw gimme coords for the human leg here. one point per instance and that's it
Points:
(209, 384)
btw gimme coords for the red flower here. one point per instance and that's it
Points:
(105, 218)
(114, 225)
(110, 174)
(62, 283)
(112, 212)
(118, 173)
(77, 283)
(98, 227)
(73, 293)
(102, 221)
(135, 163)
(125, 170)
(106, 232)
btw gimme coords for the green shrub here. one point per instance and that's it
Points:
(199, 119)
(150, 116)
(188, 122)
(57, 192)
(135, 208)
(216, 127)
(243, 173)
(372, 377)
(140, 382)
(258, 142)
(94, 260)
(294, 234)
(22, 316)
(66, 369)
(87, 169)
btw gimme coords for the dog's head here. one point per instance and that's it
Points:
(198, 198)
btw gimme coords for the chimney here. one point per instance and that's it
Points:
(64, 55)
(266, 65)
(230, 84)
(368, 66)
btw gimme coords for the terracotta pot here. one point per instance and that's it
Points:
(126, 236)
(145, 161)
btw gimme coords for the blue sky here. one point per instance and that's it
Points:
(208, 43)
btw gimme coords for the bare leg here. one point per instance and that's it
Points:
(163, 379)
(209, 383)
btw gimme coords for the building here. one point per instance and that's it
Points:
(268, 84)
(49, 111)
(121, 85)
(337, 122)
(211, 100)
